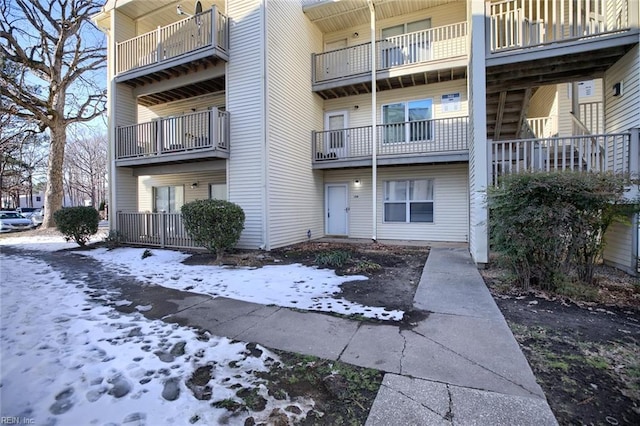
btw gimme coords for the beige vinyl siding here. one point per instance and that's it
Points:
(621, 114)
(294, 189)
(544, 102)
(185, 106)
(201, 192)
(441, 15)
(618, 246)
(125, 195)
(451, 205)
(245, 103)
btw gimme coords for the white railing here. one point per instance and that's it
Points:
(592, 115)
(597, 153)
(543, 127)
(397, 139)
(154, 229)
(173, 40)
(413, 48)
(522, 23)
(205, 130)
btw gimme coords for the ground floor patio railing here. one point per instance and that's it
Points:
(154, 229)
(611, 152)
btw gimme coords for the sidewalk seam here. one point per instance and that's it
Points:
(479, 365)
(350, 340)
(416, 401)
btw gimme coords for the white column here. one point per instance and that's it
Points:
(479, 161)
(374, 133)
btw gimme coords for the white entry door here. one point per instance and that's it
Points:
(336, 136)
(336, 209)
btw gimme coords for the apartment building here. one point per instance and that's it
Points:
(376, 119)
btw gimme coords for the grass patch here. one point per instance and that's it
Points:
(333, 258)
(343, 393)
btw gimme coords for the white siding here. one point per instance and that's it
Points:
(621, 114)
(245, 103)
(201, 192)
(294, 189)
(451, 205)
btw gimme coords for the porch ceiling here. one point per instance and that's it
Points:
(183, 92)
(553, 70)
(393, 82)
(336, 15)
(136, 9)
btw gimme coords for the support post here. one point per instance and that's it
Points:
(374, 133)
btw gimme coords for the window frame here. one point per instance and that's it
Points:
(176, 199)
(429, 130)
(408, 201)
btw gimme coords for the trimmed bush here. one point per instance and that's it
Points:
(213, 224)
(548, 227)
(77, 223)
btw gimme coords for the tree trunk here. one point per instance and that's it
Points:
(54, 194)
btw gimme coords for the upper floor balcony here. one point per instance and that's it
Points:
(202, 38)
(411, 142)
(190, 137)
(537, 29)
(408, 59)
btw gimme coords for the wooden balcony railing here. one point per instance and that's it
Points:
(206, 29)
(397, 139)
(413, 48)
(598, 153)
(205, 130)
(523, 23)
(154, 229)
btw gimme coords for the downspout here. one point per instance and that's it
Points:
(111, 124)
(374, 129)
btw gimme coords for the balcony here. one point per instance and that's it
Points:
(147, 57)
(421, 57)
(613, 152)
(190, 137)
(413, 142)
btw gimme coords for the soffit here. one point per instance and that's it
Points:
(336, 15)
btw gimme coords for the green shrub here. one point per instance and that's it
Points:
(77, 223)
(334, 258)
(548, 226)
(213, 224)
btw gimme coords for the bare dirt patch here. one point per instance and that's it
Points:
(583, 349)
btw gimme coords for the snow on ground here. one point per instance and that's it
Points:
(292, 286)
(67, 360)
(44, 242)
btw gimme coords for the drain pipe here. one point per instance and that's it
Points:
(374, 129)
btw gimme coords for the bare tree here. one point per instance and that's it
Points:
(86, 168)
(51, 53)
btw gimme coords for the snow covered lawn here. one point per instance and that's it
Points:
(68, 360)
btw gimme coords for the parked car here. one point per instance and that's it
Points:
(27, 211)
(14, 221)
(37, 217)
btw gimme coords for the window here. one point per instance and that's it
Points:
(399, 50)
(38, 199)
(408, 201)
(168, 198)
(408, 121)
(218, 191)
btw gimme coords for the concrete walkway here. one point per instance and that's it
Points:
(459, 366)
